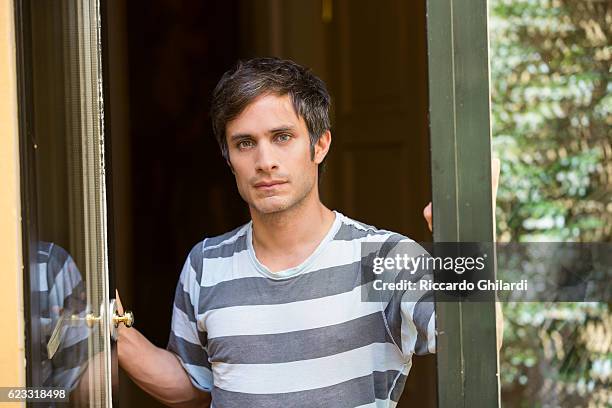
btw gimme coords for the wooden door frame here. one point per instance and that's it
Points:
(12, 355)
(460, 132)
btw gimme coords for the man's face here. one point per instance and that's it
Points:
(269, 152)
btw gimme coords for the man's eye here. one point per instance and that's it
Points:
(284, 137)
(244, 144)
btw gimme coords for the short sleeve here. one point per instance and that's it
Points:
(417, 310)
(418, 330)
(187, 341)
(410, 313)
(71, 357)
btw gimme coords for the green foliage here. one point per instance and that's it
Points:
(556, 354)
(552, 115)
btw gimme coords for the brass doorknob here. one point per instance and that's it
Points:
(90, 319)
(110, 309)
(127, 319)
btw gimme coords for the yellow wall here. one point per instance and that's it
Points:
(12, 367)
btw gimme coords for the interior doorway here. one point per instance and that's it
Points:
(171, 188)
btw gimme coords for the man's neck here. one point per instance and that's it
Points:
(282, 240)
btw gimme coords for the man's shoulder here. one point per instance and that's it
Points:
(222, 245)
(230, 237)
(351, 229)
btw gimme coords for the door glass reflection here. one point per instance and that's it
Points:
(68, 334)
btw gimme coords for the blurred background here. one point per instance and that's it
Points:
(551, 84)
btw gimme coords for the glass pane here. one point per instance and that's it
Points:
(68, 333)
(552, 110)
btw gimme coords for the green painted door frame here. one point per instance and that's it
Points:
(459, 114)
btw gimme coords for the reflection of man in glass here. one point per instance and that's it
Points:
(270, 314)
(60, 293)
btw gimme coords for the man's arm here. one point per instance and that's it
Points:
(157, 371)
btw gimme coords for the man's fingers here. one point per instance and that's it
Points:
(118, 302)
(427, 215)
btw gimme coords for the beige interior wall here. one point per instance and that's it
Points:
(12, 367)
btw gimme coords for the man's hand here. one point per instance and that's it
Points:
(428, 216)
(495, 168)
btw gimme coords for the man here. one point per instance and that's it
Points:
(271, 314)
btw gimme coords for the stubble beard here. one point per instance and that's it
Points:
(284, 209)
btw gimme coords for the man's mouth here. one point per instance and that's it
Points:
(267, 185)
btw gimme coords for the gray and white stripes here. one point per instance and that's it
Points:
(59, 288)
(302, 337)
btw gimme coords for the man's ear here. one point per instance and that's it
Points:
(322, 147)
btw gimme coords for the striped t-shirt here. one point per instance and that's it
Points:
(58, 288)
(300, 337)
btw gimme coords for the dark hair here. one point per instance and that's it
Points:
(250, 79)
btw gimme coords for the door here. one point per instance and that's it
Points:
(65, 214)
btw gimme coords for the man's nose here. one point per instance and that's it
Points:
(266, 160)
